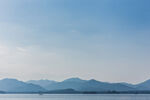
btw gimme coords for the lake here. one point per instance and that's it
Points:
(75, 97)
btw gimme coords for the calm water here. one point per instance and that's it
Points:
(73, 97)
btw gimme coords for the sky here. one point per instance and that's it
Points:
(108, 40)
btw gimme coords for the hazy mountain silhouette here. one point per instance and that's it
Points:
(73, 85)
(13, 85)
(42, 83)
(129, 84)
(143, 86)
(76, 79)
(88, 85)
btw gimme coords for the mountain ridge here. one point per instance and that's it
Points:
(76, 84)
(14, 85)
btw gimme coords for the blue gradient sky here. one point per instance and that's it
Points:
(108, 40)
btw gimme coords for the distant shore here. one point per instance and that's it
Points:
(79, 92)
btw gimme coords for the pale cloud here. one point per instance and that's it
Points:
(3, 50)
(22, 50)
(30, 61)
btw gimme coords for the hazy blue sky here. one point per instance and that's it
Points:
(108, 40)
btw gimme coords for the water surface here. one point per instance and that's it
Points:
(75, 97)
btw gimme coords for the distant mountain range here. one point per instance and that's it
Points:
(88, 85)
(144, 86)
(42, 83)
(92, 85)
(13, 85)
(72, 85)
